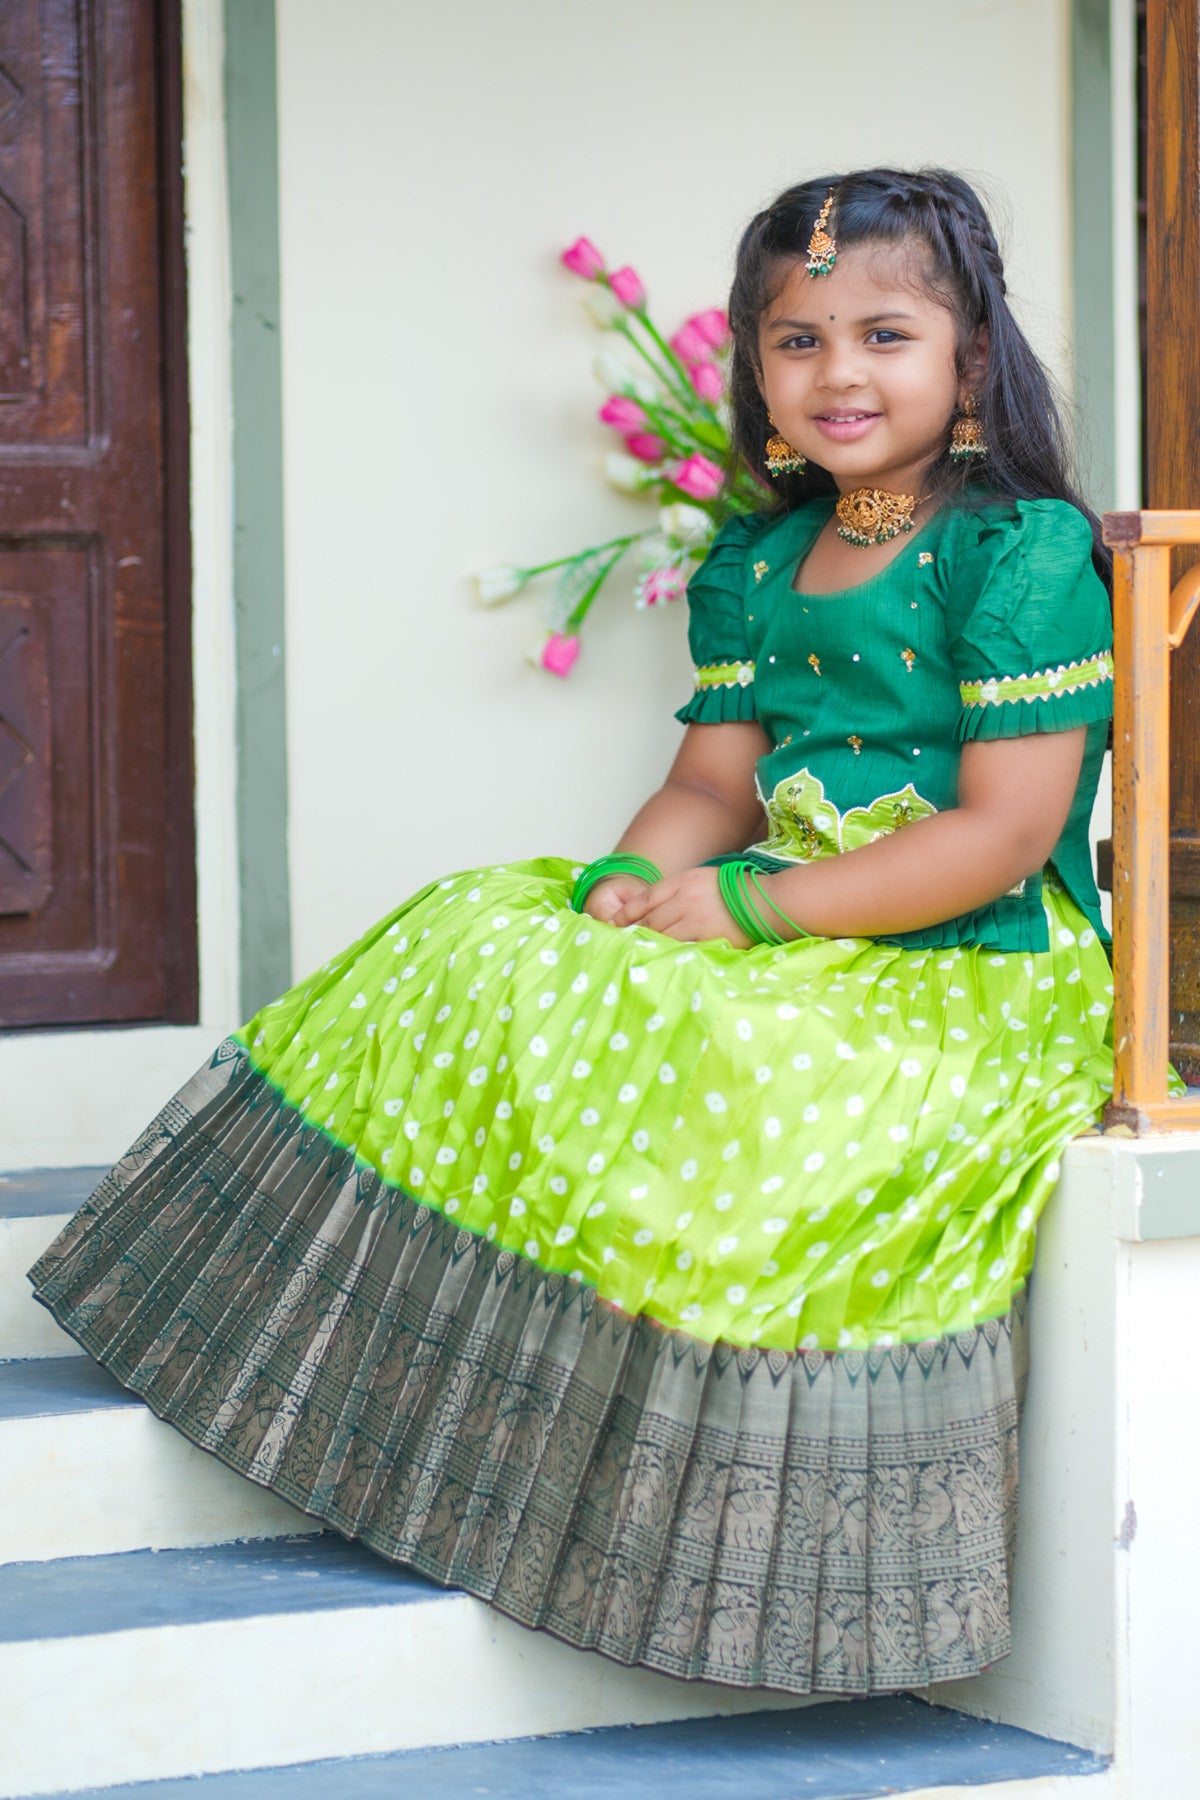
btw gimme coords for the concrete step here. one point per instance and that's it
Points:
(189, 1662)
(87, 1470)
(34, 1207)
(837, 1751)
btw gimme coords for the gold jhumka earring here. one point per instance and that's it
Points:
(783, 458)
(967, 437)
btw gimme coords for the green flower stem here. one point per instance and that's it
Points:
(684, 435)
(685, 379)
(560, 562)
(583, 605)
(663, 376)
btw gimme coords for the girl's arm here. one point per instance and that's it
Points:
(1014, 795)
(707, 804)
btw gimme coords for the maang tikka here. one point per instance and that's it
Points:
(967, 437)
(822, 251)
(783, 458)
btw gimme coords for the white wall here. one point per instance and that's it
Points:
(438, 401)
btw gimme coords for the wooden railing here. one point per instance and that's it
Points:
(1150, 619)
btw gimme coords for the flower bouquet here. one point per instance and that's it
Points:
(667, 402)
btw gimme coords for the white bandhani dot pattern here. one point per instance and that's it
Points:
(844, 1184)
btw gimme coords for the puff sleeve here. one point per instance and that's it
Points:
(1034, 649)
(723, 674)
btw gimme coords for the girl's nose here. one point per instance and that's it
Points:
(839, 370)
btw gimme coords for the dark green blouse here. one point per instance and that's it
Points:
(989, 623)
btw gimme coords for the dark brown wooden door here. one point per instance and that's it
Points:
(96, 885)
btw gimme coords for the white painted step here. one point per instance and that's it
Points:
(87, 1470)
(34, 1207)
(186, 1662)
(852, 1751)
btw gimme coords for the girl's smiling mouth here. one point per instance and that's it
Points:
(844, 423)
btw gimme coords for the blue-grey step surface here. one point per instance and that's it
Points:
(83, 1596)
(854, 1750)
(33, 1192)
(59, 1384)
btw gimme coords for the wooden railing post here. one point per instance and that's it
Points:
(1149, 621)
(1141, 788)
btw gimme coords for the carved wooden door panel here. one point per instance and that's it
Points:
(96, 920)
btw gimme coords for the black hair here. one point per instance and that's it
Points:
(1028, 457)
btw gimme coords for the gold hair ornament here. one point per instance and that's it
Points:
(822, 251)
(967, 438)
(869, 516)
(783, 458)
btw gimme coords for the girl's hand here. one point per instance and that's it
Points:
(610, 895)
(687, 906)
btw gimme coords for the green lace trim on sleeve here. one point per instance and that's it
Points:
(724, 675)
(730, 674)
(1044, 684)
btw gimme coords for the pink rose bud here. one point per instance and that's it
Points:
(690, 345)
(626, 284)
(559, 653)
(583, 258)
(661, 586)
(645, 446)
(713, 326)
(622, 414)
(698, 477)
(706, 379)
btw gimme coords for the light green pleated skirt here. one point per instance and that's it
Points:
(832, 1144)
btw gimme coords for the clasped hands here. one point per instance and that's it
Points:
(687, 906)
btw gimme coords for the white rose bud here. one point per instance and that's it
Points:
(688, 525)
(498, 583)
(655, 550)
(602, 308)
(619, 378)
(628, 473)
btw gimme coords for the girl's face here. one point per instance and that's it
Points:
(858, 368)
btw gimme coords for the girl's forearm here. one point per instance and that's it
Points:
(684, 824)
(931, 870)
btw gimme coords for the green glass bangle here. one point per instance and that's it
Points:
(733, 885)
(767, 932)
(777, 910)
(730, 897)
(620, 862)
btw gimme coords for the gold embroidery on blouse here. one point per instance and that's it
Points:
(803, 823)
(815, 662)
(761, 569)
(855, 743)
(908, 658)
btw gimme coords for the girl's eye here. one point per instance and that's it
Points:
(802, 341)
(885, 336)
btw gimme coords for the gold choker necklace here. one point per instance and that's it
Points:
(873, 516)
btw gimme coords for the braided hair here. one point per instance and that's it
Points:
(1028, 454)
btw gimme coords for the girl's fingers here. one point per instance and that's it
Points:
(637, 909)
(663, 918)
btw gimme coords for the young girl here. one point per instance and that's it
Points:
(644, 1249)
